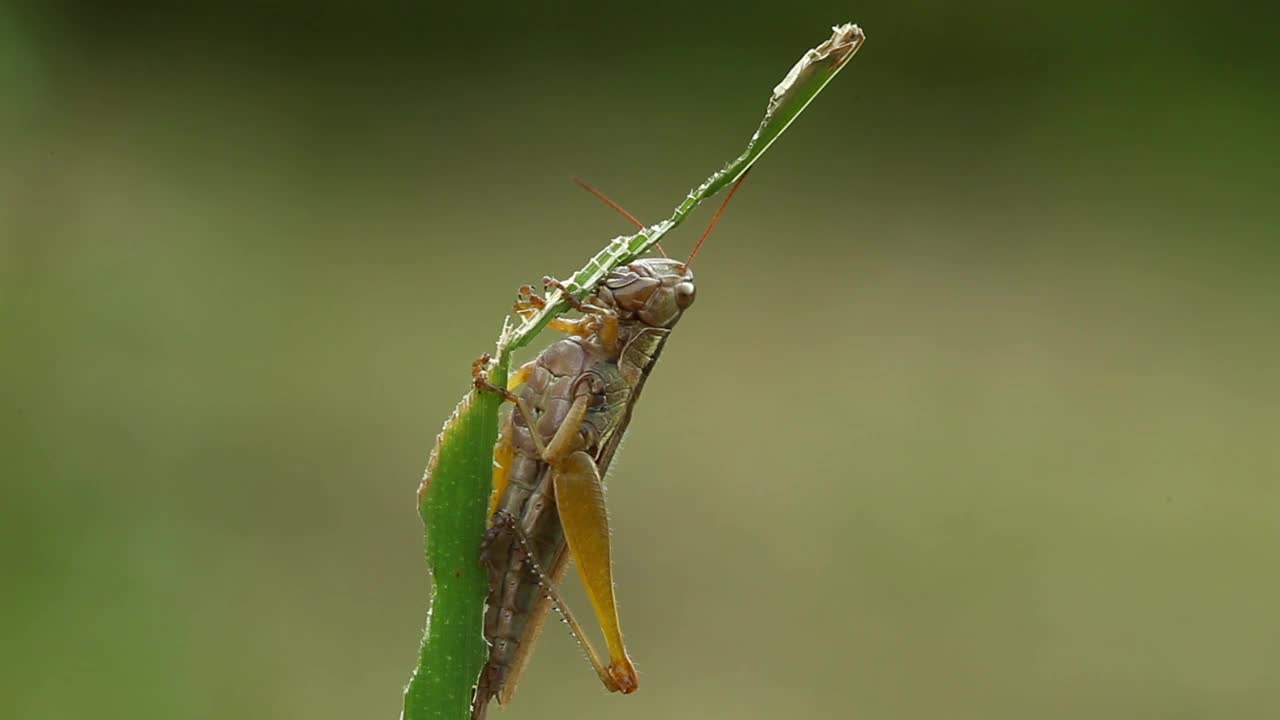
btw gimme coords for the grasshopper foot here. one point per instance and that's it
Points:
(622, 675)
(497, 541)
(528, 303)
(551, 283)
(481, 382)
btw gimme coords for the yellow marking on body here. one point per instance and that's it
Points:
(503, 454)
(521, 376)
(505, 451)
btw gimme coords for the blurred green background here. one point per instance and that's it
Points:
(976, 415)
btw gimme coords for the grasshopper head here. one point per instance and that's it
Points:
(654, 290)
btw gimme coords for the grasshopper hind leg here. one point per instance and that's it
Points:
(506, 530)
(580, 501)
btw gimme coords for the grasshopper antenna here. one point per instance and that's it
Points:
(716, 218)
(621, 210)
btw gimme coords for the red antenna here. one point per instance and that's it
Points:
(621, 210)
(716, 218)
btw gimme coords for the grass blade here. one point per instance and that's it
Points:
(453, 501)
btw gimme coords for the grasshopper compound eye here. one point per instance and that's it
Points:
(685, 294)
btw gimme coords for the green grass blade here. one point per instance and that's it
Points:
(453, 499)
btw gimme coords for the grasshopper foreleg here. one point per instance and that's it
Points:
(598, 322)
(586, 308)
(553, 284)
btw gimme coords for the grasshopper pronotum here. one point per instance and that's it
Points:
(572, 405)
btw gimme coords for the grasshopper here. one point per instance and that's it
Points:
(573, 404)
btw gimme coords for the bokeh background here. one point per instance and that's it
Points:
(976, 415)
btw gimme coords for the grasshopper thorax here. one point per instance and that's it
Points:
(655, 291)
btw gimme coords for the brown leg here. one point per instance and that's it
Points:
(554, 284)
(603, 322)
(575, 303)
(528, 303)
(530, 418)
(495, 544)
(531, 297)
(511, 527)
(482, 383)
